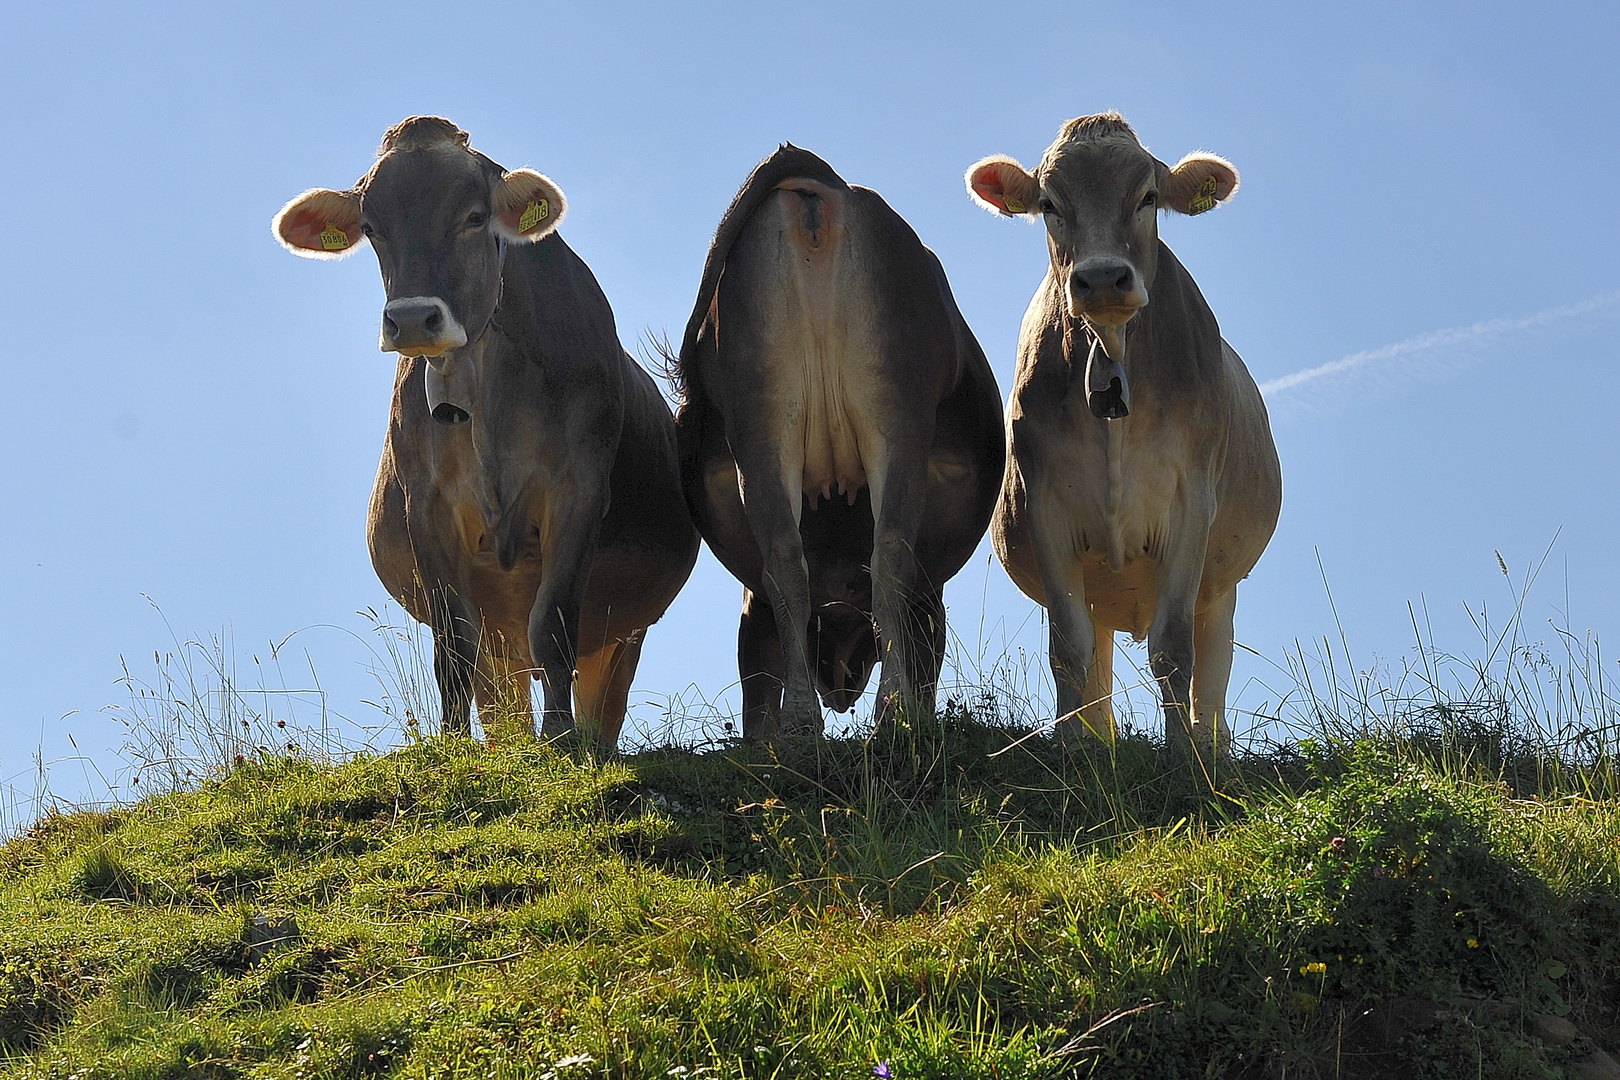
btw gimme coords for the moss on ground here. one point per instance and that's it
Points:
(917, 899)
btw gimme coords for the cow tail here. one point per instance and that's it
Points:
(787, 163)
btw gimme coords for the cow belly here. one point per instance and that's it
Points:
(1116, 601)
(1075, 505)
(503, 601)
(1123, 600)
(389, 540)
(628, 590)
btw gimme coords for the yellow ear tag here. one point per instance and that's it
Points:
(1013, 205)
(1204, 198)
(334, 238)
(534, 214)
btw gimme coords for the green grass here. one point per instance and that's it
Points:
(1353, 906)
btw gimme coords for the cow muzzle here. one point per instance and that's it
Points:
(420, 326)
(1105, 291)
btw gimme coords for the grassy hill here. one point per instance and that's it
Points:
(962, 901)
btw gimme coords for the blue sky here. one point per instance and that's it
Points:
(1427, 221)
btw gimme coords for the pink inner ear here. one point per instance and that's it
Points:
(304, 228)
(510, 216)
(988, 185)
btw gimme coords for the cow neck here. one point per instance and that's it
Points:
(449, 392)
(500, 285)
(474, 348)
(1114, 342)
(1092, 335)
(1105, 349)
(482, 480)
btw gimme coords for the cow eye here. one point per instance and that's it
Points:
(368, 230)
(1150, 199)
(1047, 207)
(477, 219)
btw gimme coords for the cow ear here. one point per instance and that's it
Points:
(528, 206)
(1001, 185)
(1198, 182)
(320, 224)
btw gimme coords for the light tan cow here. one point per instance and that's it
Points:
(1142, 483)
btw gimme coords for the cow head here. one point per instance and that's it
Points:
(438, 214)
(846, 652)
(1099, 190)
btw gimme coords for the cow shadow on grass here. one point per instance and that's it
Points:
(891, 819)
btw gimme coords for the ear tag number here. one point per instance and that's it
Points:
(334, 238)
(1014, 206)
(534, 214)
(1204, 198)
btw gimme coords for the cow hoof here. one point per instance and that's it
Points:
(801, 714)
(1202, 760)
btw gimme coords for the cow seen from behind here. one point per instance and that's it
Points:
(840, 441)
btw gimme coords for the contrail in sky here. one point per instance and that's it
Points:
(1479, 333)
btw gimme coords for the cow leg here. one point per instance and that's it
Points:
(502, 690)
(929, 616)
(602, 690)
(1071, 636)
(455, 651)
(554, 619)
(1171, 649)
(759, 660)
(407, 542)
(1212, 670)
(615, 701)
(1097, 708)
(554, 641)
(899, 612)
(772, 505)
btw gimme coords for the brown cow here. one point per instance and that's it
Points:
(528, 505)
(825, 357)
(1139, 500)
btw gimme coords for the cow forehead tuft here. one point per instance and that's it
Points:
(1085, 132)
(1101, 125)
(421, 133)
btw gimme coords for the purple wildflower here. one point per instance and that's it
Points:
(881, 1071)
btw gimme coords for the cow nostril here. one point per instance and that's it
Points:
(1124, 282)
(391, 327)
(434, 322)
